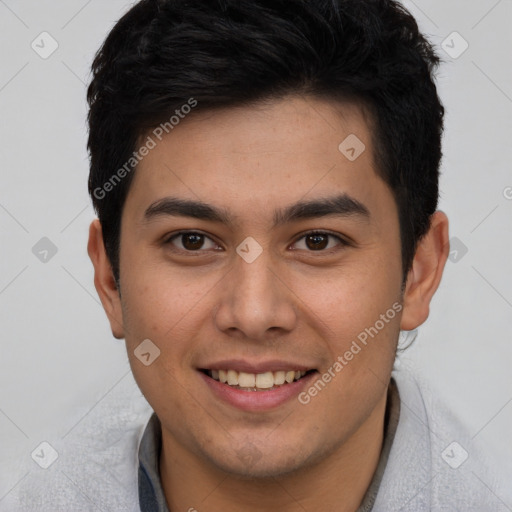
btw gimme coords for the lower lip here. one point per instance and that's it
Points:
(257, 400)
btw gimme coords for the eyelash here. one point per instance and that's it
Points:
(342, 242)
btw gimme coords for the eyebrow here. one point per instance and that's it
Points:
(341, 205)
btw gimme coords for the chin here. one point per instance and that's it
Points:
(251, 462)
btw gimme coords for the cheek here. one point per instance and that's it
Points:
(170, 309)
(158, 301)
(352, 298)
(161, 310)
(357, 317)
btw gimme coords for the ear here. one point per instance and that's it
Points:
(426, 272)
(104, 279)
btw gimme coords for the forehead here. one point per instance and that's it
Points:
(257, 157)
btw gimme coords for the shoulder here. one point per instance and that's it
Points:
(97, 461)
(433, 464)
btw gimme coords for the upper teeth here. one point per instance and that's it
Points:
(260, 380)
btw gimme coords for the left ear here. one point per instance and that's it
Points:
(426, 272)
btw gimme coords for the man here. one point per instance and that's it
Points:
(266, 180)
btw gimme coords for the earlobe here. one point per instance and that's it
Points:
(426, 272)
(104, 279)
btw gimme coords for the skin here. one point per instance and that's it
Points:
(294, 302)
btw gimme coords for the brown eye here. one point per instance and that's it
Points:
(317, 241)
(191, 241)
(320, 241)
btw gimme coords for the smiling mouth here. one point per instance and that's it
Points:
(256, 381)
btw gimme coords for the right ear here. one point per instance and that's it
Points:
(104, 279)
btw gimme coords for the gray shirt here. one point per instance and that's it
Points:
(432, 465)
(151, 494)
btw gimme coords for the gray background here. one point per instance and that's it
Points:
(58, 360)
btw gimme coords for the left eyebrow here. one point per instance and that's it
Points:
(341, 205)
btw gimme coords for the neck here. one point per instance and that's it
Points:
(337, 482)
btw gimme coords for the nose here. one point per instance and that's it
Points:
(256, 302)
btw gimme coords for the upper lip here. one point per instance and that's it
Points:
(241, 365)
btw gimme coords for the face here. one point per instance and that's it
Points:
(255, 280)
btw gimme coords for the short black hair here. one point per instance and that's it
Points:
(223, 53)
